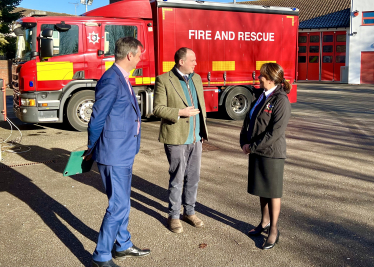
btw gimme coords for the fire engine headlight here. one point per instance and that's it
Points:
(28, 102)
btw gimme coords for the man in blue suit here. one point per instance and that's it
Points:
(113, 142)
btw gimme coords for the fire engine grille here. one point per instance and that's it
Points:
(15, 77)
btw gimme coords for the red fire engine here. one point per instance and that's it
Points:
(60, 59)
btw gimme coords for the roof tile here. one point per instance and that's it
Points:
(26, 11)
(334, 20)
(309, 9)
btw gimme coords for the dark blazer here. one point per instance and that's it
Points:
(169, 98)
(112, 130)
(267, 137)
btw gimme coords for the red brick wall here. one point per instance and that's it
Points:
(4, 71)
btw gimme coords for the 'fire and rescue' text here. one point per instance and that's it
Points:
(229, 35)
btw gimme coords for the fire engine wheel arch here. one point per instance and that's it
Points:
(236, 101)
(79, 109)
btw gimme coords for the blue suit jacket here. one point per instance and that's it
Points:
(112, 130)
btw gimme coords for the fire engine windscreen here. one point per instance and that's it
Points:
(114, 32)
(64, 42)
(24, 43)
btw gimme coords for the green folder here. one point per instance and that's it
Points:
(76, 164)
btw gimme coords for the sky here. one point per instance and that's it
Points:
(69, 7)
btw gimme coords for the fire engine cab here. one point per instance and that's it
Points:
(60, 59)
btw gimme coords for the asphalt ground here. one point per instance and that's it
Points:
(327, 216)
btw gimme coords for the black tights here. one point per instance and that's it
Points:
(270, 209)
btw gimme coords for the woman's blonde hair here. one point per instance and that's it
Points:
(274, 72)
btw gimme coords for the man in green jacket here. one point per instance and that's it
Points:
(179, 102)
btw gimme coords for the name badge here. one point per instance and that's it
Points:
(269, 108)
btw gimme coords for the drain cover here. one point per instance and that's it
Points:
(27, 164)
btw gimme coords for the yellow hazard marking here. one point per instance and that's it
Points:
(167, 65)
(108, 64)
(236, 82)
(163, 12)
(145, 80)
(293, 19)
(54, 71)
(223, 65)
(232, 82)
(260, 63)
(148, 80)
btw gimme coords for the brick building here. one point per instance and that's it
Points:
(4, 71)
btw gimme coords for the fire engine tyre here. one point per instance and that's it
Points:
(79, 109)
(237, 103)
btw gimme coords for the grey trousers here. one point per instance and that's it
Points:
(185, 162)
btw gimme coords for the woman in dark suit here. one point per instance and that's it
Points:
(263, 138)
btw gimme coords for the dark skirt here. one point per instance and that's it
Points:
(265, 176)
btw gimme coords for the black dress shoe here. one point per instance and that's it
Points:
(131, 252)
(270, 245)
(259, 229)
(104, 264)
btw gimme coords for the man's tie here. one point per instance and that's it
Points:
(186, 77)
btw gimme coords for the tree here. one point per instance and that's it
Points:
(7, 17)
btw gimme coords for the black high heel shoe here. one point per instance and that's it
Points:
(271, 245)
(259, 229)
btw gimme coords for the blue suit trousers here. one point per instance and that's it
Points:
(117, 183)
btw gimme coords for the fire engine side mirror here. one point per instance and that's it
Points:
(62, 27)
(28, 25)
(47, 33)
(18, 31)
(46, 44)
(46, 48)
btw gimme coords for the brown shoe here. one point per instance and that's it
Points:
(175, 225)
(193, 220)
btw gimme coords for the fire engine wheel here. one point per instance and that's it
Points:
(237, 103)
(79, 109)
